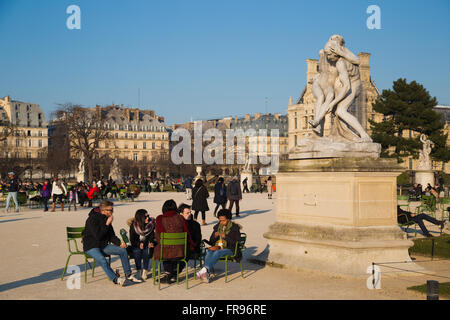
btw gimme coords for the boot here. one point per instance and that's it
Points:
(53, 207)
(62, 206)
(203, 223)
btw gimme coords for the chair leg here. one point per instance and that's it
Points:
(65, 268)
(85, 269)
(154, 271)
(242, 271)
(187, 275)
(159, 274)
(178, 270)
(226, 270)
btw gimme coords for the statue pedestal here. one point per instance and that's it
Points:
(337, 215)
(82, 177)
(424, 177)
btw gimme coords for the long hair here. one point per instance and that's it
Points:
(169, 205)
(140, 218)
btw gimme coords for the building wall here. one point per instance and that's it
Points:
(31, 140)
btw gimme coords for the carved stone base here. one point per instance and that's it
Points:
(330, 147)
(338, 216)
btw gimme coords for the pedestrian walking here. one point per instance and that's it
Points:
(46, 193)
(220, 194)
(234, 194)
(13, 188)
(199, 200)
(58, 192)
(269, 185)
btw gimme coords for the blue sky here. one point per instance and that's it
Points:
(208, 58)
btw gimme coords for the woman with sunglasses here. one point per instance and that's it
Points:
(142, 238)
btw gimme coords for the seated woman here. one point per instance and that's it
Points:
(171, 222)
(223, 240)
(142, 238)
(405, 216)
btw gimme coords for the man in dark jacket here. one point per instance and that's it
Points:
(13, 188)
(234, 194)
(223, 242)
(405, 216)
(99, 240)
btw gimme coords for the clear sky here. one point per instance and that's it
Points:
(209, 58)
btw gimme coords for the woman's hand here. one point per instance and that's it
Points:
(215, 248)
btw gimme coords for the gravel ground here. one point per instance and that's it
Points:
(34, 252)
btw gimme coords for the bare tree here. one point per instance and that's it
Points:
(85, 130)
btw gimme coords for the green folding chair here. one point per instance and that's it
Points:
(407, 224)
(444, 204)
(404, 205)
(199, 256)
(228, 258)
(74, 233)
(428, 205)
(171, 239)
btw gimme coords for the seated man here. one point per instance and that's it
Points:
(99, 239)
(401, 218)
(223, 240)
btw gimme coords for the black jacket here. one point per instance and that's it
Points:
(403, 216)
(232, 237)
(220, 193)
(196, 233)
(13, 185)
(96, 233)
(135, 240)
(199, 199)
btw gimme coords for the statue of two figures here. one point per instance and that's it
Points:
(335, 89)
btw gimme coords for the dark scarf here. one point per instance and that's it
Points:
(148, 228)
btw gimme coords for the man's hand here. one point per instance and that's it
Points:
(215, 248)
(141, 246)
(123, 245)
(110, 220)
(151, 245)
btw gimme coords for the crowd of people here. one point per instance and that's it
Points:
(99, 239)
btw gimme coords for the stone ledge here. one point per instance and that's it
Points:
(349, 164)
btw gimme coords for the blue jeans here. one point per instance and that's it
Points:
(111, 249)
(213, 256)
(141, 256)
(8, 200)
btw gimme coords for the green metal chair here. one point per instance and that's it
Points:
(444, 205)
(407, 224)
(428, 206)
(171, 239)
(74, 233)
(123, 194)
(405, 205)
(240, 244)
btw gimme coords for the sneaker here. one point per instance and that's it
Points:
(205, 277)
(144, 275)
(132, 278)
(442, 224)
(119, 281)
(165, 278)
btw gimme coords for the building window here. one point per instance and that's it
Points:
(144, 136)
(135, 135)
(126, 135)
(135, 146)
(116, 135)
(30, 143)
(17, 143)
(144, 145)
(410, 163)
(135, 157)
(295, 123)
(153, 145)
(28, 155)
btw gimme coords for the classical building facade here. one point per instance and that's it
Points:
(30, 140)
(135, 135)
(262, 124)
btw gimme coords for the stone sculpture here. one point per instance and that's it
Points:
(335, 89)
(424, 154)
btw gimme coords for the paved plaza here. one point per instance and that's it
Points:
(34, 251)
